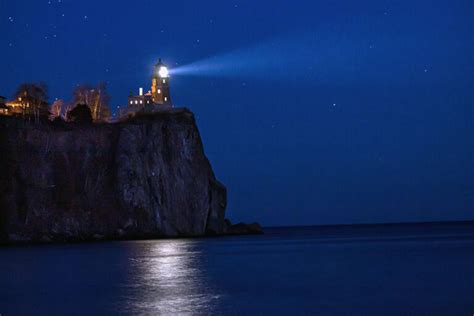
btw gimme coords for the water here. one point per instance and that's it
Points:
(289, 271)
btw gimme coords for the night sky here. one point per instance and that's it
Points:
(311, 112)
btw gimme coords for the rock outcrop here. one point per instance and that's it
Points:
(242, 228)
(145, 177)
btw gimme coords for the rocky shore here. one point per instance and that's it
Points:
(146, 177)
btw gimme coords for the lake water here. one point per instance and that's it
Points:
(288, 271)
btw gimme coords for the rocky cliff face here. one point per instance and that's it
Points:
(146, 177)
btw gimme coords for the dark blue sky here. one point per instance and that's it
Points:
(311, 112)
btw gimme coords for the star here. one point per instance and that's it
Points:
(334, 104)
(426, 70)
(85, 17)
(10, 18)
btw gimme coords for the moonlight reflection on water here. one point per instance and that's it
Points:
(380, 270)
(169, 278)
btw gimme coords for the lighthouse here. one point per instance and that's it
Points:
(156, 99)
(160, 87)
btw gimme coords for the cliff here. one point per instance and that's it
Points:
(145, 177)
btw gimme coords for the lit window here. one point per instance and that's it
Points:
(164, 81)
(141, 102)
(131, 102)
(166, 98)
(136, 102)
(147, 102)
(159, 90)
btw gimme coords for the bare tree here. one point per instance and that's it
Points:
(83, 94)
(56, 108)
(33, 98)
(68, 106)
(96, 98)
(60, 108)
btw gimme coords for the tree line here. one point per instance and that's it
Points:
(33, 102)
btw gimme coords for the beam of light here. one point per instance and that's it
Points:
(327, 55)
(269, 58)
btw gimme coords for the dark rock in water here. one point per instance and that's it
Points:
(145, 177)
(242, 229)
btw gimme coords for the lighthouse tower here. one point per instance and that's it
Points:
(160, 88)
